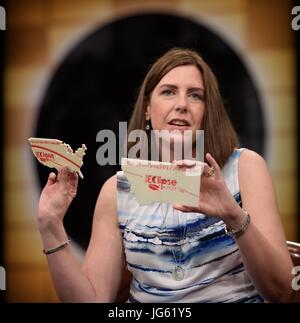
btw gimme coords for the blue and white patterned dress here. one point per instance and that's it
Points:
(157, 238)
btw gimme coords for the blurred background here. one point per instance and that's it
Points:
(70, 68)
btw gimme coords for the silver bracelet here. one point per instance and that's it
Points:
(52, 250)
(237, 232)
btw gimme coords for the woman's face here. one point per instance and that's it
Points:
(177, 102)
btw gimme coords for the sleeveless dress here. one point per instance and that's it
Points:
(158, 238)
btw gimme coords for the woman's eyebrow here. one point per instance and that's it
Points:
(175, 87)
(169, 85)
(196, 89)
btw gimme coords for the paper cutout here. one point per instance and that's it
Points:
(153, 181)
(56, 154)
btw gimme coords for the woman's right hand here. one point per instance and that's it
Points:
(56, 197)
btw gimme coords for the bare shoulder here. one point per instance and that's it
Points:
(251, 157)
(256, 184)
(251, 163)
(109, 187)
(107, 200)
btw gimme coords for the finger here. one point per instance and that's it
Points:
(51, 179)
(212, 162)
(73, 179)
(185, 163)
(185, 208)
(62, 175)
(179, 207)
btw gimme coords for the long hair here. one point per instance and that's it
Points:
(220, 138)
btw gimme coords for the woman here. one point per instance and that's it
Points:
(226, 250)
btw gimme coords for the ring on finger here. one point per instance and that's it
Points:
(211, 172)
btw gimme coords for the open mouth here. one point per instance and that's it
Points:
(179, 123)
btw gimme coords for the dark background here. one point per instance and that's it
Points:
(2, 36)
(297, 51)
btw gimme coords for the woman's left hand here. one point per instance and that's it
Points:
(215, 198)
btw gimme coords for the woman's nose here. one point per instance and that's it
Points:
(181, 104)
(181, 108)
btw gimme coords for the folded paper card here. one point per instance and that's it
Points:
(153, 181)
(56, 154)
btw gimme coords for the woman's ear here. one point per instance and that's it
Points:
(147, 113)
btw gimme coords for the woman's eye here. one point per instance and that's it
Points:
(167, 92)
(196, 96)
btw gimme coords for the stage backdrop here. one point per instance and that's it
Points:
(73, 68)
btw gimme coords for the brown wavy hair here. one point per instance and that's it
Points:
(220, 138)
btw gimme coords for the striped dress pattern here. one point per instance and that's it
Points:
(157, 238)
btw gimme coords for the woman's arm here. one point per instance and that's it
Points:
(104, 263)
(263, 245)
(98, 278)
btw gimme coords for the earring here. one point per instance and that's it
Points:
(148, 127)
